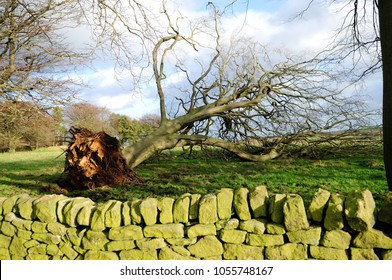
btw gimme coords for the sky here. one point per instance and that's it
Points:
(271, 22)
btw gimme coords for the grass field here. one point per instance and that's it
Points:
(171, 174)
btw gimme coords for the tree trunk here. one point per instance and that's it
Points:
(157, 141)
(385, 18)
(95, 160)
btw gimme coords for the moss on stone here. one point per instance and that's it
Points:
(129, 232)
(258, 201)
(165, 206)
(225, 203)
(201, 230)
(149, 210)
(207, 246)
(181, 209)
(208, 209)
(241, 204)
(164, 231)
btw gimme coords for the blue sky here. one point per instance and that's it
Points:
(267, 21)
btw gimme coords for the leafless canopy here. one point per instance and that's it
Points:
(230, 92)
(34, 60)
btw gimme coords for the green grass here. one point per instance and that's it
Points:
(170, 174)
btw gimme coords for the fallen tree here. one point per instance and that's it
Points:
(94, 160)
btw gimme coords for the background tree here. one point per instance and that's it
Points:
(34, 59)
(89, 116)
(236, 91)
(364, 38)
(25, 126)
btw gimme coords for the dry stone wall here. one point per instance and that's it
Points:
(231, 224)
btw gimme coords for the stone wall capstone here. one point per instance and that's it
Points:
(238, 224)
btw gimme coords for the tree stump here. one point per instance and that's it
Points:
(94, 160)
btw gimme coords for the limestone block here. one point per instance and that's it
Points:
(201, 230)
(273, 228)
(165, 206)
(57, 229)
(94, 240)
(8, 204)
(1, 204)
(324, 253)
(100, 255)
(309, 236)
(135, 212)
(181, 241)
(120, 245)
(45, 207)
(232, 236)
(60, 206)
(242, 252)
(130, 232)
(181, 209)
(318, 205)
(126, 213)
(294, 213)
(360, 210)
(22, 224)
(5, 241)
(37, 257)
(85, 215)
(385, 214)
(24, 234)
(148, 244)
(4, 254)
(47, 238)
(38, 249)
(164, 231)
(181, 250)
(53, 250)
(363, 254)
(75, 235)
(72, 208)
(30, 243)
(276, 203)
(24, 207)
(169, 254)
(337, 238)
(67, 250)
(227, 224)
(98, 217)
(386, 255)
(225, 203)
(208, 209)
(149, 210)
(39, 227)
(334, 213)
(258, 200)
(372, 239)
(136, 254)
(241, 205)
(253, 226)
(264, 240)
(194, 206)
(17, 248)
(7, 229)
(208, 246)
(289, 251)
(113, 215)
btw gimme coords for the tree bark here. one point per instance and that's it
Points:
(385, 18)
(153, 143)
